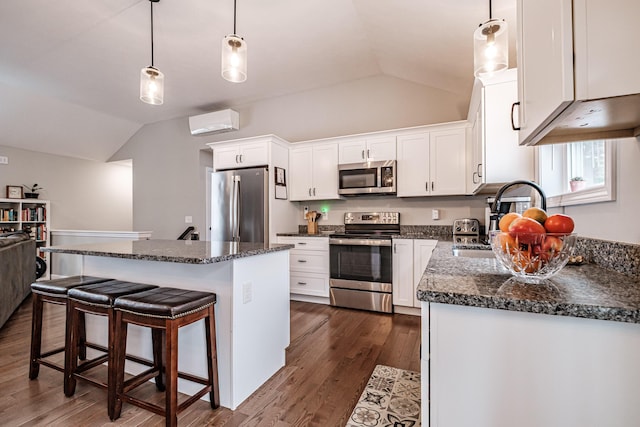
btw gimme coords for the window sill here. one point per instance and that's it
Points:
(598, 194)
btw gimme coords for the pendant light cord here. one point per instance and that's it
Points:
(151, 1)
(234, 17)
(490, 17)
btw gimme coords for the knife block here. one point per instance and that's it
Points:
(312, 227)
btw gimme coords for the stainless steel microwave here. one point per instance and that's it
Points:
(367, 178)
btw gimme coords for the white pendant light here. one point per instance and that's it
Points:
(490, 47)
(151, 79)
(234, 55)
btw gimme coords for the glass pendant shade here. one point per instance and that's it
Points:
(151, 86)
(490, 48)
(234, 59)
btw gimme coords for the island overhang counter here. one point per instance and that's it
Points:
(560, 353)
(251, 282)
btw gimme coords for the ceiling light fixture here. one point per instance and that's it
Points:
(234, 55)
(490, 47)
(151, 79)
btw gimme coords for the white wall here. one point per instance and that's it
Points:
(616, 220)
(168, 163)
(84, 194)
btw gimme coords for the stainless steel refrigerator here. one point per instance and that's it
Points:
(240, 205)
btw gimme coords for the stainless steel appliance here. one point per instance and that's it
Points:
(499, 205)
(466, 231)
(361, 261)
(367, 178)
(240, 205)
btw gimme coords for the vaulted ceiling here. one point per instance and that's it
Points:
(69, 69)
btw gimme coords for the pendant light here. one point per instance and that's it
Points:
(490, 47)
(234, 55)
(151, 79)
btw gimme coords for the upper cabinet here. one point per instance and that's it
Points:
(577, 70)
(241, 155)
(314, 172)
(494, 156)
(432, 162)
(367, 150)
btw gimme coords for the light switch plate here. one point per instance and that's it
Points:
(4, 160)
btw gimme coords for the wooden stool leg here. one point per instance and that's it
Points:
(71, 349)
(171, 397)
(36, 336)
(158, 339)
(212, 358)
(119, 360)
(112, 365)
(82, 337)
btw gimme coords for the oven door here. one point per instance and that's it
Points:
(363, 261)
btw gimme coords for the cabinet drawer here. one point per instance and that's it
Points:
(309, 284)
(310, 261)
(306, 243)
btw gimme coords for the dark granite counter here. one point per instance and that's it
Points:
(587, 291)
(180, 251)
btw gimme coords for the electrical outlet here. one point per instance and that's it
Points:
(188, 219)
(435, 214)
(4, 160)
(325, 213)
(247, 292)
(305, 212)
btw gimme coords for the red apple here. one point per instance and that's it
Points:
(527, 231)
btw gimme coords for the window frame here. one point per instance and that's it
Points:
(595, 194)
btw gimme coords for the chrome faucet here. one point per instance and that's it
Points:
(495, 207)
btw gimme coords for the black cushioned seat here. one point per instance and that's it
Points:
(54, 292)
(104, 294)
(168, 303)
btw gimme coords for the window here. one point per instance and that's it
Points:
(578, 172)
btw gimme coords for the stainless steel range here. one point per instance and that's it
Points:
(361, 261)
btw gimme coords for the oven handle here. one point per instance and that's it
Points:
(360, 242)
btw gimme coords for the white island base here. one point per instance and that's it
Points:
(252, 317)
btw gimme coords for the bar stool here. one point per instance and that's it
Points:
(166, 310)
(98, 299)
(53, 292)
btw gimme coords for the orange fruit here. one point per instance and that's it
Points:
(507, 242)
(535, 213)
(506, 220)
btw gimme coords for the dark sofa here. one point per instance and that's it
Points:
(17, 271)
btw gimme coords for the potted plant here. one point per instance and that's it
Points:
(32, 191)
(577, 183)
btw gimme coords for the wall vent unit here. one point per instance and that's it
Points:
(215, 122)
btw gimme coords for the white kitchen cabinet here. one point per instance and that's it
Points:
(432, 163)
(410, 259)
(508, 368)
(495, 156)
(570, 51)
(372, 149)
(309, 265)
(241, 155)
(314, 172)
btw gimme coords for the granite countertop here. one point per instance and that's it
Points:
(587, 291)
(180, 251)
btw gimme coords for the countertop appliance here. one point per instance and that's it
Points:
(240, 205)
(361, 261)
(367, 178)
(466, 231)
(517, 204)
(498, 204)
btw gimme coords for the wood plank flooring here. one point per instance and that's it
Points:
(332, 353)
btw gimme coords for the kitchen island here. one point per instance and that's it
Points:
(498, 352)
(251, 282)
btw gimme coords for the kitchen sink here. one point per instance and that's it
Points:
(479, 252)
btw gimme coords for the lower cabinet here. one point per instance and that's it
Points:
(308, 265)
(410, 259)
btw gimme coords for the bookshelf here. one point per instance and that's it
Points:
(32, 214)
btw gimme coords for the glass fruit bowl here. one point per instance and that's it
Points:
(532, 257)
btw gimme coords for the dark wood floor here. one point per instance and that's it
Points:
(332, 353)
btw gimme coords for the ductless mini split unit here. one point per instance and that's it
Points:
(215, 122)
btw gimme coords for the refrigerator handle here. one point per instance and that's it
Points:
(236, 208)
(239, 208)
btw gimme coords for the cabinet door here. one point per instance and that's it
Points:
(476, 167)
(413, 165)
(325, 172)
(422, 250)
(352, 152)
(300, 170)
(226, 157)
(403, 272)
(256, 154)
(545, 62)
(381, 149)
(447, 161)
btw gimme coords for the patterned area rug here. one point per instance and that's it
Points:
(390, 399)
